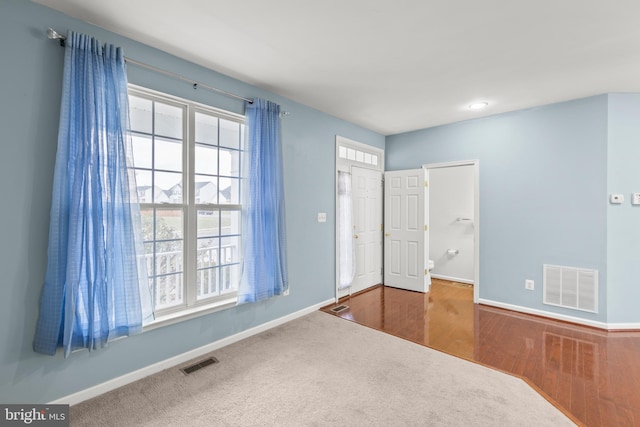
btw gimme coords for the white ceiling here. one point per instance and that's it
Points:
(394, 66)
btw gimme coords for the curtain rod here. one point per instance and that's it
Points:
(54, 35)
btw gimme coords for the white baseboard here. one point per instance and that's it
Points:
(578, 320)
(451, 279)
(125, 379)
(623, 326)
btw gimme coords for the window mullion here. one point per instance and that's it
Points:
(191, 212)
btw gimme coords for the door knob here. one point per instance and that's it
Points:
(387, 234)
(355, 236)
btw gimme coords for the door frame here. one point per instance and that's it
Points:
(343, 164)
(476, 215)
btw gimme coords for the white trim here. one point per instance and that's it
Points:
(476, 217)
(572, 319)
(130, 377)
(190, 313)
(451, 279)
(623, 326)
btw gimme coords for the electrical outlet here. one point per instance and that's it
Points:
(529, 284)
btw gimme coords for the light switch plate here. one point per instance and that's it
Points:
(322, 217)
(635, 198)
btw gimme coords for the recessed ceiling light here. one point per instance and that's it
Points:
(478, 105)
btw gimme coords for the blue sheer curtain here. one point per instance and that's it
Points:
(95, 287)
(264, 271)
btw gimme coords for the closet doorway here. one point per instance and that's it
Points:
(454, 221)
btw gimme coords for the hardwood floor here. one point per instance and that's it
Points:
(592, 374)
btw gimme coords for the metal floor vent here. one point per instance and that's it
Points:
(201, 364)
(339, 308)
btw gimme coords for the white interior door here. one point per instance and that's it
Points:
(367, 219)
(405, 245)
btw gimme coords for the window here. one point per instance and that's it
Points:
(187, 161)
(356, 155)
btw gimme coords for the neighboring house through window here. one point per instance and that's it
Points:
(187, 160)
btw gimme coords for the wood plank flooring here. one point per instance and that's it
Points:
(592, 374)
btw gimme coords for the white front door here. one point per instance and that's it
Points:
(406, 235)
(367, 219)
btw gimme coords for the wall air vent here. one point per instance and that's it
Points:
(568, 287)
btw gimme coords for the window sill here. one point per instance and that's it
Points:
(192, 313)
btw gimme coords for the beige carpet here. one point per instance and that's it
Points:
(320, 370)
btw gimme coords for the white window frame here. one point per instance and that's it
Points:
(191, 306)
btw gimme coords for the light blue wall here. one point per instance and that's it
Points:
(543, 189)
(30, 87)
(623, 221)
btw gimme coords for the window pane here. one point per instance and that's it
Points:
(206, 189)
(206, 159)
(168, 120)
(140, 114)
(168, 187)
(143, 185)
(206, 129)
(342, 152)
(168, 290)
(208, 223)
(146, 217)
(229, 134)
(367, 158)
(351, 154)
(148, 254)
(142, 153)
(229, 162)
(168, 155)
(229, 278)
(208, 252)
(169, 257)
(229, 192)
(374, 159)
(207, 282)
(359, 156)
(229, 250)
(230, 222)
(169, 224)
